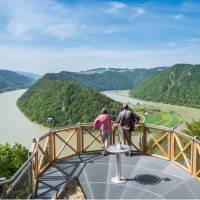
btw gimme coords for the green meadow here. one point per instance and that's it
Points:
(163, 119)
(158, 117)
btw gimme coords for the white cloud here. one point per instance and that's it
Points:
(28, 19)
(178, 17)
(117, 5)
(171, 44)
(137, 12)
(114, 7)
(193, 40)
(140, 11)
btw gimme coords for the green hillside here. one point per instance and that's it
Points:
(68, 102)
(179, 84)
(102, 79)
(10, 80)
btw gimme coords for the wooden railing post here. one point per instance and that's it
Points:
(143, 142)
(172, 153)
(193, 152)
(112, 139)
(79, 138)
(34, 167)
(115, 129)
(170, 144)
(195, 160)
(51, 147)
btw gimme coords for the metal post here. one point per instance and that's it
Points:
(118, 172)
(50, 121)
(118, 178)
(30, 176)
(2, 189)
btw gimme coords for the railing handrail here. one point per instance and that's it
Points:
(57, 129)
(80, 125)
(87, 124)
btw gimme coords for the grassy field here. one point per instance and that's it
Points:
(163, 119)
(186, 113)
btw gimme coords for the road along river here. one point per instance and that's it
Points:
(186, 113)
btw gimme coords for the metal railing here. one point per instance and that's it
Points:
(62, 143)
(20, 185)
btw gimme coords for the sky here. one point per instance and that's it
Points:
(43, 36)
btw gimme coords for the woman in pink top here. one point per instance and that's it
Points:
(104, 123)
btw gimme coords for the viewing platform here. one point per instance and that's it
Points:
(165, 164)
(145, 177)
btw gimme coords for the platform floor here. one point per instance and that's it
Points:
(146, 178)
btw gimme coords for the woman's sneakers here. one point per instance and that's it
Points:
(103, 152)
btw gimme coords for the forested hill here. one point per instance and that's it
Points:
(108, 79)
(179, 84)
(68, 102)
(10, 80)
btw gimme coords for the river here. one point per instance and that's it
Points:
(15, 127)
(186, 113)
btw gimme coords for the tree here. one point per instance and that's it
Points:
(193, 128)
(11, 158)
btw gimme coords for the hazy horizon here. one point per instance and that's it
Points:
(64, 35)
(124, 68)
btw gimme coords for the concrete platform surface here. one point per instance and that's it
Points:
(145, 177)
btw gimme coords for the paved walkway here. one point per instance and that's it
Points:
(146, 178)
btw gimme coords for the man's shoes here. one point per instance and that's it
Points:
(103, 152)
(128, 154)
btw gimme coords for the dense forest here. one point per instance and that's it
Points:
(102, 79)
(12, 157)
(68, 102)
(10, 80)
(179, 84)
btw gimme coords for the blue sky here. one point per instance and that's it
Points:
(53, 35)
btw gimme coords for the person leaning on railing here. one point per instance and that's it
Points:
(126, 120)
(104, 123)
